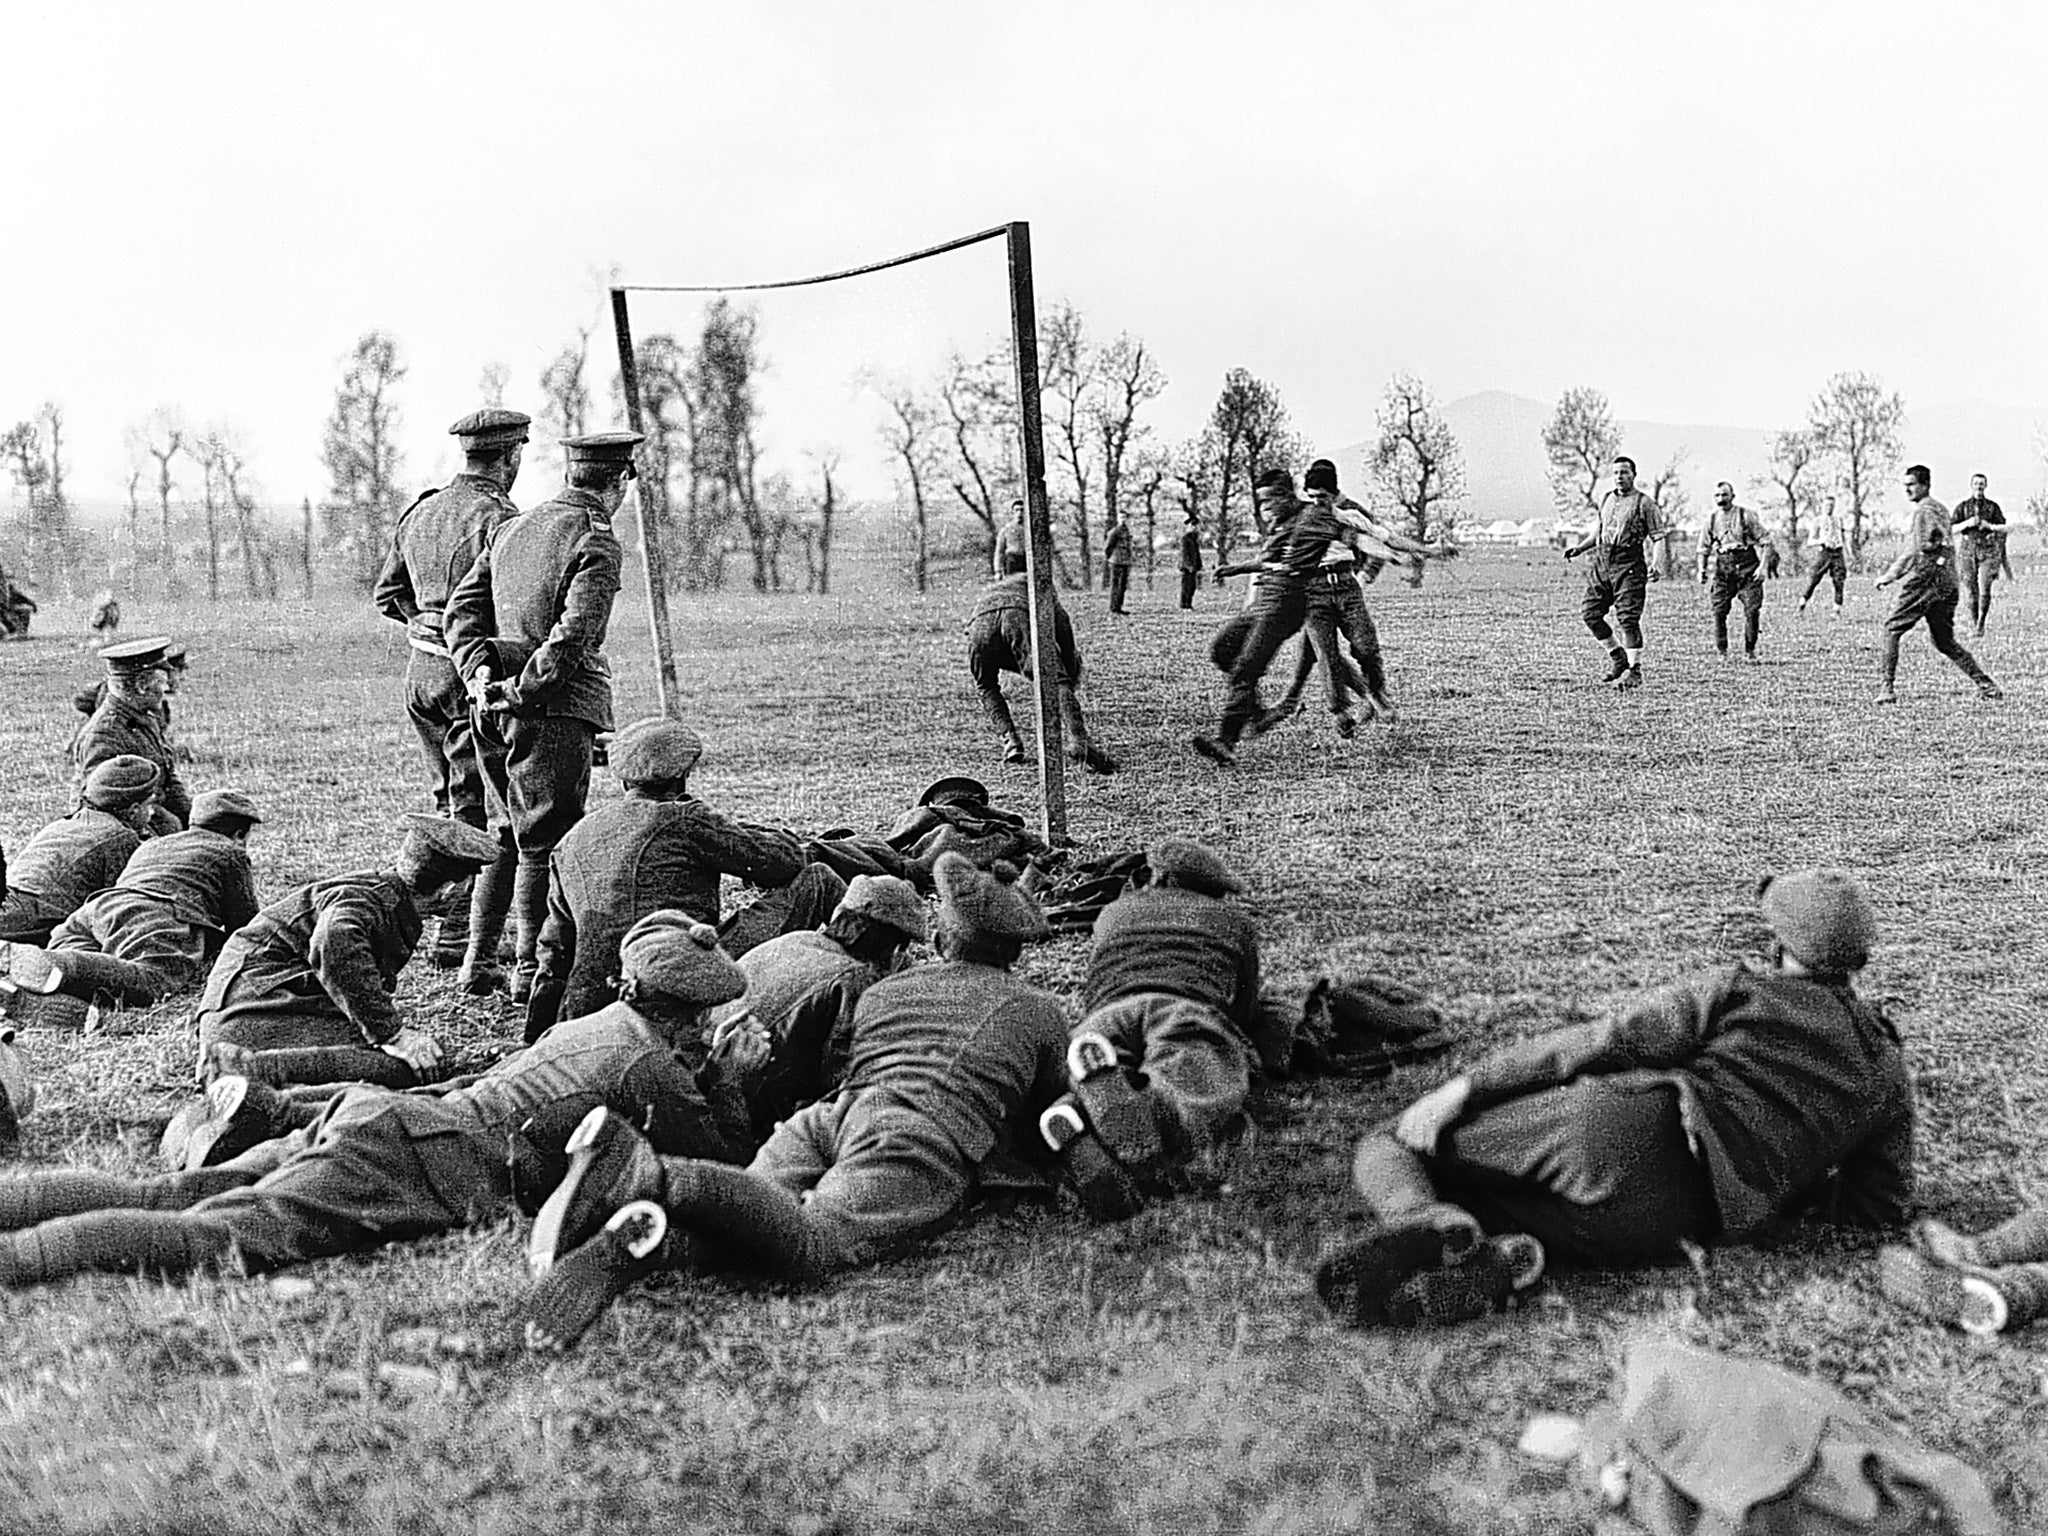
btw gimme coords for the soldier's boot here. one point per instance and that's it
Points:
(94, 977)
(574, 1292)
(31, 969)
(22, 1009)
(1617, 664)
(451, 938)
(1131, 1121)
(234, 1114)
(611, 1165)
(1107, 1190)
(1080, 746)
(1013, 749)
(165, 1244)
(529, 911)
(1974, 1299)
(489, 905)
(2020, 1239)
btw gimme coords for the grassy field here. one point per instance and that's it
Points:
(1524, 844)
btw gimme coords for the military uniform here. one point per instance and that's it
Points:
(1928, 593)
(154, 932)
(638, 855)
(438, 538)
(1729, 550)
(999, 641)
(312, 975)
(61, 866)
(1190, 564)
(1012, 540)
(124, 727)
(534, 609)
(1116, 562)
(377, 1167)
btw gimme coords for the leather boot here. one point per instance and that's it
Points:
(451, 939)
(529, 911)
(490, 902)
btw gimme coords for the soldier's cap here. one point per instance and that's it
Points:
(1822, 918)
(954, 789)
(1319, 476)
(132, 656)
(1187, 863)
(654, 748)
(886, 900)
(671, 953)
(218, 805)
(174, 655)
(492, 427)
(121, 782)
(991, 904)
(452, 839)
(615, 448)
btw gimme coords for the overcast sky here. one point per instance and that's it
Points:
(1703, 210)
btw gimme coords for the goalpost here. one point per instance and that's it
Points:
(653, 496)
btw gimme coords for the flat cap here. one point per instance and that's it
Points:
(1187, 863)
(452, 839)
(222, 805)
(1822, 918)
(655, 747)
(602, 447)
(492, 427)
(990, 904)
(886, 900)
(671, 953)
(121, 782)
(954, 789)
(136, 655)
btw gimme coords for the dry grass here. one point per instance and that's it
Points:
(1524, 844)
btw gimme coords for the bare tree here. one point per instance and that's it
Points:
(1067, 374)
(160, 437)
(1856, 423)
(1415, 461)
(565, 398)
(34, 453)
(1248, 430)
(211, 450)
(910, 431)
(491, 382)
(1667, 489)
(1580, 440)
(134, 521)
(818, 549)
(1789, 478)
(721, 381)
(978, 403)
(1128, 381)
(360, 450)
(1147, 473)
(224, 465)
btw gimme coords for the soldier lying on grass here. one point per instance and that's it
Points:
(302, 993)
(80, 854)
(1162, 1063)
(1711, 1107)
(377, 1166)
(950, 1065)
(158, 927)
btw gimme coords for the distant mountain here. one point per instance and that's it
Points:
(1502, 436)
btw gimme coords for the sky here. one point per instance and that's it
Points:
(1703, 210)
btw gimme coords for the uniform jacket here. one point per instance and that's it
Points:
(1191, 549)
(203, 877)
(1116, 549)
(1933, 550)
(121, 726)
(1010, 595)
(635, 856)
(1790, 1088)
(804, 989)
(535, 608)
(69, 859)
(333, 948)
(972, 1049)
(1165, 939)
(437, 540)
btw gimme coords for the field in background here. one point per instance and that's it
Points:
(1524, 844)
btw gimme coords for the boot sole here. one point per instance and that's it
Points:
(1953, 1297)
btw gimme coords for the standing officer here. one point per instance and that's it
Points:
(1730, 548)
(1190, 560)
(1625, 526)
(1116, 562)
(438, 538)
(1929, 591)
(526, 630)
(130, 723)
(1979, 529)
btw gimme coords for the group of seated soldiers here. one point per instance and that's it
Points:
(777, 1089)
